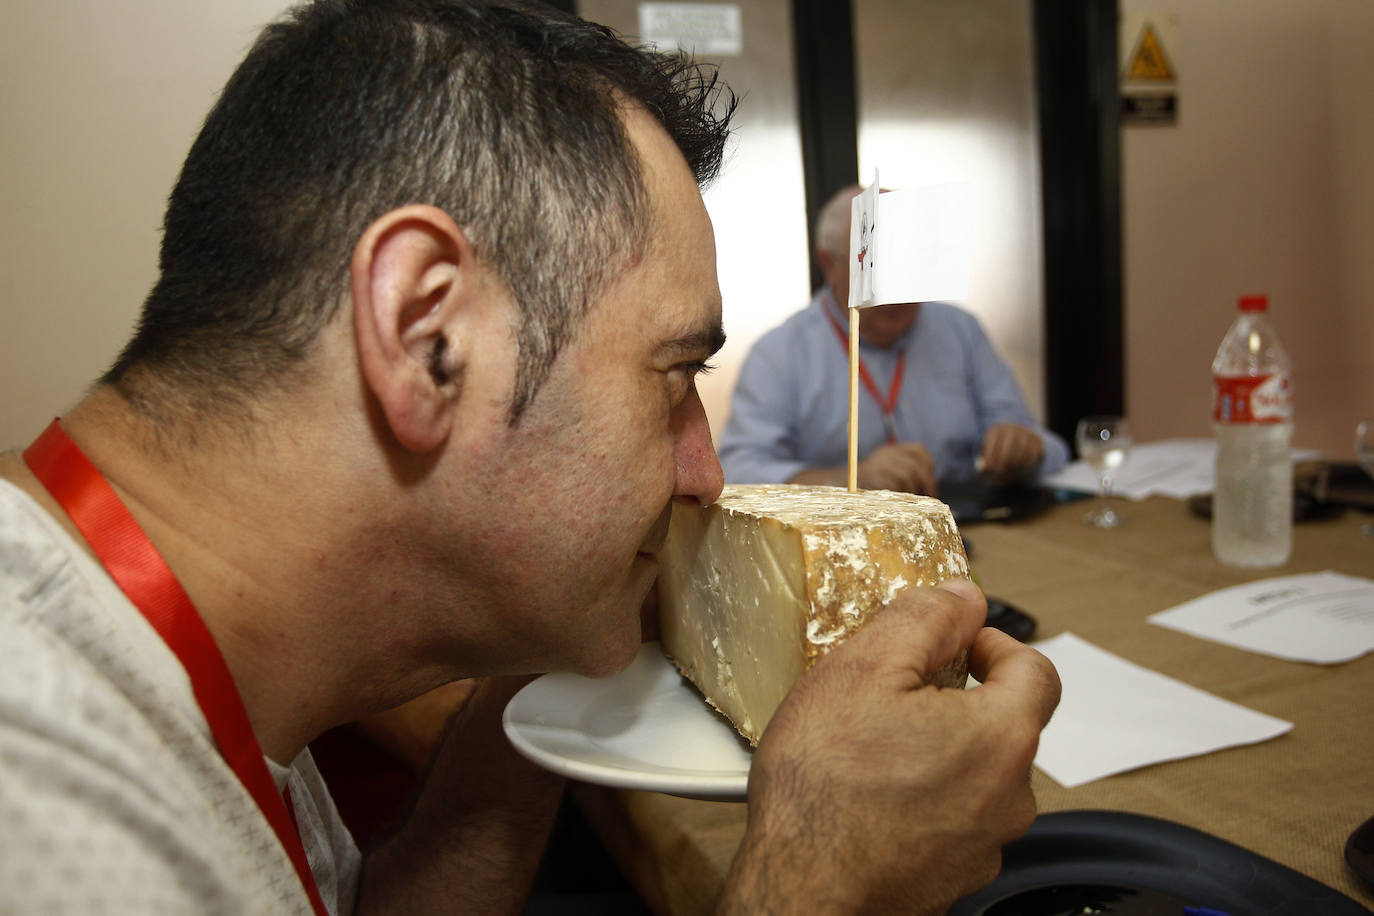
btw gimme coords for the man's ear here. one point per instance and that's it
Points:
(826, 261)
(413, 272)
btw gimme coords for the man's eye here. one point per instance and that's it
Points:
(683, 377)
(699, 367)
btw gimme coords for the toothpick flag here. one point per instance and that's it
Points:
(915, 250)
(911, 245)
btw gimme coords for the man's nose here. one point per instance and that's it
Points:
(699, 474)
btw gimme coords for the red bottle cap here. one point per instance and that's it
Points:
(1254, 303)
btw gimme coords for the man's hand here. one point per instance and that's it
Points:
(873, 791)
(903, 466)
(1011, 449)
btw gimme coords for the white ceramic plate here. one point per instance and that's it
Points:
(644, 728)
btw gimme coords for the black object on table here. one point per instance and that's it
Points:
(1359, 851)
(1120, 864)
(1013, 621)
(987, 498)
(1306, 507)
(1320, 494)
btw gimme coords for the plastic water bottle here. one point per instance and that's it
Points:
(1252, 418)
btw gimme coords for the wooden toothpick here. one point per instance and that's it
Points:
(853, 400)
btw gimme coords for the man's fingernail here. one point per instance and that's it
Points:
(961, 587)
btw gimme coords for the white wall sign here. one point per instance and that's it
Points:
(703, 29)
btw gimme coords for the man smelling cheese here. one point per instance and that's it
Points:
(758, 585)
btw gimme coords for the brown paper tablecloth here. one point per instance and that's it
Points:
(1294, 799)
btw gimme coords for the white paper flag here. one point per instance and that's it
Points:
(911, 245)
(863, 214)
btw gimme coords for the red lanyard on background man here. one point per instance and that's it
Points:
(140, 572)
(888, 405)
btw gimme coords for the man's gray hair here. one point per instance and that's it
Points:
(832, 223)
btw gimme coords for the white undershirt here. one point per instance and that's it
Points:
(113, 796)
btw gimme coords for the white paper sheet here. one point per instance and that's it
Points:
(1177, 468)
(1117, 716)
(1324, 617)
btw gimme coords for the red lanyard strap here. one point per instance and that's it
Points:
(888, 404)
(140, 572)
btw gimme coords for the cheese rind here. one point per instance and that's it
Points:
(756, 587)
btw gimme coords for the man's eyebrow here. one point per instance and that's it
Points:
(707, 340)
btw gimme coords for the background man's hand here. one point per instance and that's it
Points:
(1011, 449)
(873, 791)
(903, 466)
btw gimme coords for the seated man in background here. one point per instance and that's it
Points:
(938, 402)
(411, 402)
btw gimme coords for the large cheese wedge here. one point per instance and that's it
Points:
(754, 588)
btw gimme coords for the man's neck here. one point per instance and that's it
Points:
(237, 524)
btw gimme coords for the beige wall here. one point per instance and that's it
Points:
(946, 92)
(99, 102)
(1266, 184)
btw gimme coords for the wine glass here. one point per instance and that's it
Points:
(1364, 453)
(1103, 442)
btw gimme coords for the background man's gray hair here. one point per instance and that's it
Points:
(832, 223)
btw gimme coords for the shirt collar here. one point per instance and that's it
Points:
(828, 302)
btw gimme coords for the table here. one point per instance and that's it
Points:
(1294, 799)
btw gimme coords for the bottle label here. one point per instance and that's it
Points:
(1252, 399)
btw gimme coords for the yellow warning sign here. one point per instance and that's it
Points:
(1148, 62)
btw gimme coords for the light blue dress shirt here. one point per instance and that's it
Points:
(790, 408)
